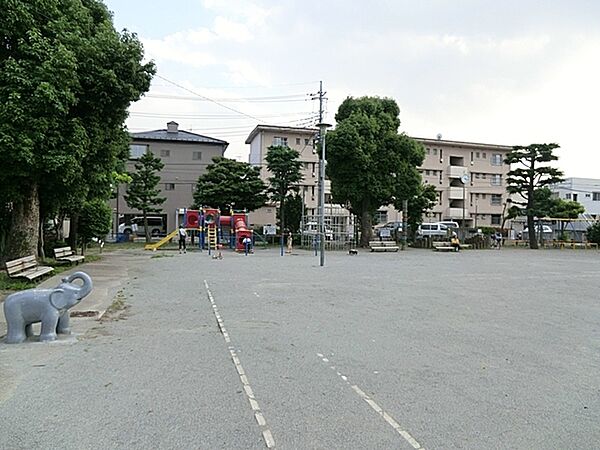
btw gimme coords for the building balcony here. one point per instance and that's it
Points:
(456, 171)
(456, 193)
(456, 213)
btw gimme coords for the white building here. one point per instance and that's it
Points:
(582, 190)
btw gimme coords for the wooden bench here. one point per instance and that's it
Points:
(66, 254)
(383, 246)
(26, 267)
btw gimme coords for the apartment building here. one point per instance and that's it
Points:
(469, 178)
(470, 181)
(301, 140)
(185, 156)
(583, 190)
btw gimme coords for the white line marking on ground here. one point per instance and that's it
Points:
(260, 418)
(379, 410)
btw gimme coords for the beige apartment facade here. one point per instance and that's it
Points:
(469, 178)
(299, 139)
(185, 156)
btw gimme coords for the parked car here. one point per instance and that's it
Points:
(450, 224)
(547, 230)
(432, 229)
(312, 228)
(393, 227)
(136, 226)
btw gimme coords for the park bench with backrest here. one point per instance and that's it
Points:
(383, 246)
(67, 254)
(26, 267)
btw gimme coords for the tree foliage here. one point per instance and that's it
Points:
(285, 166)
(228, 183)
(293, 212)
(143, 192)
(94, 221)
(368, 162)
(423, 201)
(532, 172)
(593, 233)
(66, 81)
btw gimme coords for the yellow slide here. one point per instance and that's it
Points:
(163, 241)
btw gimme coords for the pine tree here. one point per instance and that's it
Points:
(142, 192)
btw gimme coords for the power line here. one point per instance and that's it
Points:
(208, 99)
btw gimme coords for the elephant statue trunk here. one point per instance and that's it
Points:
(48, 306)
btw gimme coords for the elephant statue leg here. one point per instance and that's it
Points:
(49, 323)
(64, 323)
(16, 331)
(29, 330)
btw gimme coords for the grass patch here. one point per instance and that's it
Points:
(15, 284)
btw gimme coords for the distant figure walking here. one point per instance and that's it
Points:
(182, 236)
(498, 239)
(290, 240)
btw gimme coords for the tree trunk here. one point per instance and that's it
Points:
(73, 226)
(366, 229)
(22, 238)
(146, 230)
(533, 243)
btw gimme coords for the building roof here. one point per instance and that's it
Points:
(462, 144)
(281, 129)
(179, 136)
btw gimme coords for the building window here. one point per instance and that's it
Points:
(482, 195)
(496, 159)
(297, 141)
(165, 153)
(136, 151)
(496, 180)
(279, 141)
(496, 219)
(169, 186)
(477, 155)
(496, 199)
(596, 196)
(428, 150)
(306, 141)
(427, 172)
(483, 176)
(435, 152)
(197, 156)
(587, 195)
(484, 155)
(568, 196)
(477, 175)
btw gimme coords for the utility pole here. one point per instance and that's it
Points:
(321, 207)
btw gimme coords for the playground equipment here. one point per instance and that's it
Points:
(216, 230)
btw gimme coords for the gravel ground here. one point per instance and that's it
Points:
(480, 349)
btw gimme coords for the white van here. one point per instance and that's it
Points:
(155, 224)
(450, 224)
(312, 228)
(432, 229)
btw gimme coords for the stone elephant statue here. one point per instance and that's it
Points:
(48, 306)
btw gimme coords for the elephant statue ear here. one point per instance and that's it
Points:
(58, 299)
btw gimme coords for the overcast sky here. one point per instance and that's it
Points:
(509, 72)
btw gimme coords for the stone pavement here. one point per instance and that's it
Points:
(108, 275)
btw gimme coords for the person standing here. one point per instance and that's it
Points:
(182, 236)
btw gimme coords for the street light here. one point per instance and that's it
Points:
(322, 130)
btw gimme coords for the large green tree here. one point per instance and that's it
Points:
(230, 183)
(67, 78)
(143, 192)
(95, 221)
(285, 167)
(531, 171)
(368, 162)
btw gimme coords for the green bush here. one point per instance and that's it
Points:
(593, 233)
